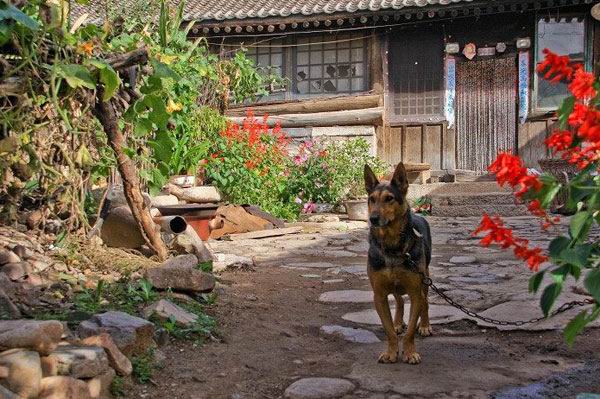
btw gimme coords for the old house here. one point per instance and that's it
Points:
(443, 82)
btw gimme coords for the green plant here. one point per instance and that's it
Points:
(117, 387)
(91, 300)
(144, 366)
(206, 266)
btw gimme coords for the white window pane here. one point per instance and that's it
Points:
(561, 37)
(277, 59)
(302, 58)
(344, 56)
(316, 57)
(264, 60)
(329, 57)
(316, 71)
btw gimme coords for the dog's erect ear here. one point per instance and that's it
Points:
(399, 179)
(370, 180)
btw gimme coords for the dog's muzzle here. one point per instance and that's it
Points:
(377, 221)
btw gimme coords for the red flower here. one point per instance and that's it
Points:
(557, 68)
(582, 86)
(560, 140)
(509, 170)
(503, 236)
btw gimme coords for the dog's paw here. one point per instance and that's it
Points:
(425, 331)
(388, 357)
(411, 358)
(400, 328)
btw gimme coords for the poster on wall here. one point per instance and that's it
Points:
(450, 91)
(523, 86)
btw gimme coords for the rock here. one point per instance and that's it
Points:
(39, 265)
(334, 281)
(181, 278)
(319, 388)
(164, 200)
(49, 366)
(323, 218)
(120, 229)
(8, 310)
(438, 314)
(350, 296)
(189, 260)
(34, 218)
(463, 259)
(24, 372)
(7, 256)
(132, 335)
(224, 262)
(116, 358)
(99, 387)
(15, 271)
(40, 336)
(166, 310)
(6, 394)
(61, 387)
(22, 251)
(357, 335)
(201, 194)
(80, 361)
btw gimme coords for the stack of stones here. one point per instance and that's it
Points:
(43, 359)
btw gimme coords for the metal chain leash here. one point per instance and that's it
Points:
(563, 308)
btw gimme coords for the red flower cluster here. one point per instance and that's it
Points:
(503, 236)
(557, 68)
(509, 170)
(582, 85)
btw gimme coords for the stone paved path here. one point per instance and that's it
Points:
(488, 280)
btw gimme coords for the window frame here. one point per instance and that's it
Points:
(289, 68)
(536, 110)
(395, 119)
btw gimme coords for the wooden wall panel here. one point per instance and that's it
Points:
(449, 149)
(432, 146)
(392, 145)
(413, 144)
(531, 145)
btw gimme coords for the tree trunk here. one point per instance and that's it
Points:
(106, 114)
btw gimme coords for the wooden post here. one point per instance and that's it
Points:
(105, 113)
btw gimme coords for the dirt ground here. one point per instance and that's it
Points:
(269, 326)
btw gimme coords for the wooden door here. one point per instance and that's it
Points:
(486, 110)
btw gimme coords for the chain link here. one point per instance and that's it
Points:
(563, 308)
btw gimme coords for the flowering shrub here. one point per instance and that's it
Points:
(249, 164)
(577, 141)
(330, 173)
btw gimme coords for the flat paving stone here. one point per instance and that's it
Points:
(357, 335)
(463, 259)
(438, 314)
(349, 296)
(309, 265)
(319, 388)
(334, 281)
(354, 269)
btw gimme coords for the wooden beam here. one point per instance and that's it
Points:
(369, 116)
(311, 106)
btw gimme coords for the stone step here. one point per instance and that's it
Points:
(472, 199)
(477, 210)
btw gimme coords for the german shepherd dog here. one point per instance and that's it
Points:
(399, 257)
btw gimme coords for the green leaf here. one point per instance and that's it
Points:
(10, 12)
(143, 126)
(592, 283)
(111, 81)
(551, 292)
(557, 245)
(75, 75)
(577, 256)
(580, 225)
(535, 281)
(565, 110)
(575, 327)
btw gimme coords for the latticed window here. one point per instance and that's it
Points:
(313, 65)
(416, 73)
(326, 64)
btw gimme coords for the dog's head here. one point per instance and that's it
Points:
(387, 200)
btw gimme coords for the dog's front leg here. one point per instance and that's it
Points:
(383, 310)
(409, 353)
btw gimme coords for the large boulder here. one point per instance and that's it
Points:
(116, 358)
(8, 310)
(132, 335)
(80, 361)
(61, 387)
(7, 256)
(23, 372)
(178, 275)
(166, 310)
(99, 387)
(40, 336)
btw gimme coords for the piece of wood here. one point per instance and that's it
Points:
(264, 233)
(340, 103)
(432, 146)
(340, 118)
(256, 211)
(131, 58)
(412, 144)
(198, 195)
(105, 112)
(448, 148)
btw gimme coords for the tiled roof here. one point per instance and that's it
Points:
(223, 10)
(242, 9)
